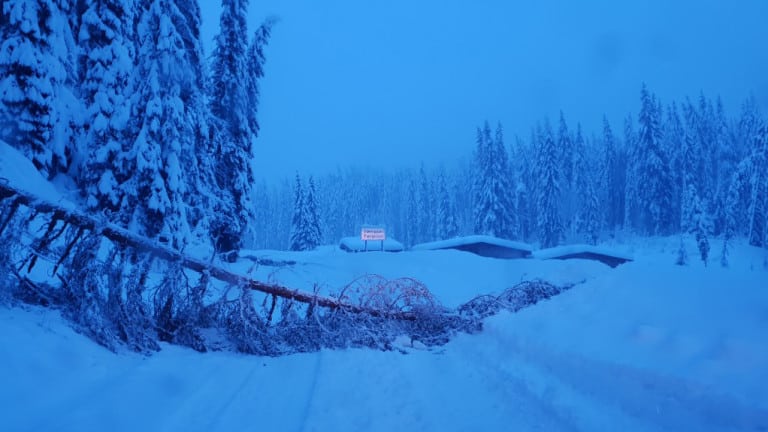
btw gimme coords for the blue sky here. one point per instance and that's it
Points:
(392, 83)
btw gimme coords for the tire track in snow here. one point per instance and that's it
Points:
(310, 392)
(81, 395)
(519, 394)
(667, 403)
(228, 403)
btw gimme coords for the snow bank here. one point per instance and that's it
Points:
(18, 172)
(575, 249)
(355, 244)
(468, 240)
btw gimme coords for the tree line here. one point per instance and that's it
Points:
(676, 169)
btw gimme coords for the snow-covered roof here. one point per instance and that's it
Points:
(575, 249)
(473, 239)
(355, 244)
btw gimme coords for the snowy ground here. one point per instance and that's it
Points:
(646, 346)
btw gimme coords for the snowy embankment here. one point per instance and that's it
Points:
(646, 346)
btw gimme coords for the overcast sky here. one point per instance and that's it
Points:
(395, 82)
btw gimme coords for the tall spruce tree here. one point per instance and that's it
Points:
(479, 168)
(757, 212)
(615, 162)
(233, 92)
(580, 172)
(446, 210)
(549, 225)
(566, 150)
(523, 197)
(256, 60)
(674, 142)
(106, 65)
(297, 221)
(655, 191)
(424, 208)
(707, 141)
(493, 205)
(37, 71)
(411, 212)
(588, 174)
(314, 234)
(199, 164)
(165, 144)
(632, 182)
(306, 233)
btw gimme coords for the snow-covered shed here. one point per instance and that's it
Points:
(482, 245)
(583, 251)
(355, 244)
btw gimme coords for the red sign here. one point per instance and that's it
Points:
(373, 234)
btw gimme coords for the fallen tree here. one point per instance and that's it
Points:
(127, 291)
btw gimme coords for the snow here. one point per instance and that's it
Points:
(574, 249)
(646, 346)
(468, 240)
(355, 244)
(19, 172)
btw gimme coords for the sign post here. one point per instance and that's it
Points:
(370, 233)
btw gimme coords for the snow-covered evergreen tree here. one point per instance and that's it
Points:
(731, 219)
(312, 225)
(446, 211)
(306, 233)
(424, 208)
(655, 190)
(728, 157)
(256, 60)
(106, 65)
(165, 143)
(674, 144)
(565, 144)
(757, 212)
(749, 121)
(700, 225)
(567, 155)
(412, 211)
(522, 183)
(632, 181)
(694, 221)
(479, 168)
(233, 89)
(615, 162)
(549, 225)
(591, 216)
(706, 138)
(37, 73)
(581, 170)
(198, 165)
(297, 221)
(506, 187)
(493, 206)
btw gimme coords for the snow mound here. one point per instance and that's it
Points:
(473, 239)
(355, 244)
(584, 251)
(482, 245)
(18, 172)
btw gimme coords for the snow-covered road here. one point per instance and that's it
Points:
(673, 349)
